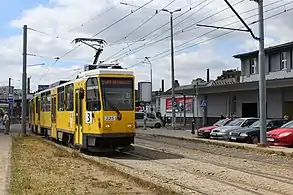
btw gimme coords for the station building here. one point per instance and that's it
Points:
(235, 93)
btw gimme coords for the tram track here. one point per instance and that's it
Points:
(273, 183)
(244, 188)
(280, 178)
(176, 167)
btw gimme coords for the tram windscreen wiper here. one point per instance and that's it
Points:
(111, 105)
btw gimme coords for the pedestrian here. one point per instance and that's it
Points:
(286, 117)
(6, 121)
(144, 121)
(222, 116)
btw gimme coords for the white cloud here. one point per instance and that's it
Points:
(63, 19)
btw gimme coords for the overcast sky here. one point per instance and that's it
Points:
(56, 23)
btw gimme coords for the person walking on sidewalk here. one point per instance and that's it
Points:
(6, 121)
(145, 121)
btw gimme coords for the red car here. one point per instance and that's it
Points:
(282, 136)
(205, 131)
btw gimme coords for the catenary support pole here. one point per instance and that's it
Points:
(9, 92)
(262, 77)
(172, 68)
(23, 95)
(172, 75)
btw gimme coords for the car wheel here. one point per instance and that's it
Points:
(157, 125)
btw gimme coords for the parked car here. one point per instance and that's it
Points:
(152, 120)
(282, 136)
(251, 134)
(205, 131)
(223, 132)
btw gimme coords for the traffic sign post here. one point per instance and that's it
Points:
(204, 103)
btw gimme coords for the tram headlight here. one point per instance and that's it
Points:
(107, 126)
(130, 126)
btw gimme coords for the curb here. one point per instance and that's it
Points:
(265, 150)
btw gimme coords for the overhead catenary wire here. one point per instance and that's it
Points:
(135, 50)
(104, 29)
(78, 26)
(145, 22)
(186, 29)
(153, 31)
(224, 34)
(271, 9)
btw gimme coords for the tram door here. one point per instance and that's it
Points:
(78, 118)
(53, 117)
(38, 108)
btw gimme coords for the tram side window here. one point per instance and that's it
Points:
(43, 102)
(61, 99)
(92, 95)
(37, 105)
(48, 101)
(69, 97)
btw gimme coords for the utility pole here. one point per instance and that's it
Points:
(261, 63)
(24, 77)
(197, 119)
(172, 68)
(151, 78)
(8, 97)
(262, 76)
(29, 85)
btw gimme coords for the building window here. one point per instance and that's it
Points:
(253, 65)
(283, 60)
(92, 95)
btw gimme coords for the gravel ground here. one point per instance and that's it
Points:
(40, 168)
(204, 169)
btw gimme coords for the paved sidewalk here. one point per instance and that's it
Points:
(186, 134)
(5, 163)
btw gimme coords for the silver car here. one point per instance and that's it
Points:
(223, 132)
(152, 120)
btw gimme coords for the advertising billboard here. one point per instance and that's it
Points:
(144, 91)
(179, 103)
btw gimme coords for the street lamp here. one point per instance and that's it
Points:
(151, 78)
(172, 66)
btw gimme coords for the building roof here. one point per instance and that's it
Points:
(287, 45)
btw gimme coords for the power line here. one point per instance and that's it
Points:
(78, 26)
(176, 33)
(224, 34)
(106, 28)
(186, 29)
(150, 18)
(150, 33)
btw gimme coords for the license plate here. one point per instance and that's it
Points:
(233, 138)
(214, 134)
(270, 139)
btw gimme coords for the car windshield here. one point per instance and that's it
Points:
(255, 124)
(220, 122)
(288, 125)
(236, 122)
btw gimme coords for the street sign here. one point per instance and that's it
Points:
(175, 104)
(204, 103)
(10, 100)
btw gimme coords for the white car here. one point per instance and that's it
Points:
(152, 120)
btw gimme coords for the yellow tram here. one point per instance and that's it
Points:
(95, 111)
